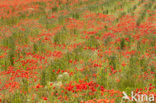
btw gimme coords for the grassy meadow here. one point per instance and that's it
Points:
(77, 51)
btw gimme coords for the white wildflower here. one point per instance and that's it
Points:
(57, 84)
(60, 77)
(66, 74)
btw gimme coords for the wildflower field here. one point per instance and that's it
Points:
(77, 51)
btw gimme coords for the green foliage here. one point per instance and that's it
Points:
(17, 98)
(92, 42)
(76, 15)
(122, 43)
(38, 46)
(102, 78)
(25, 85)
(43, 78)
(113, 61)
(11, 44)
